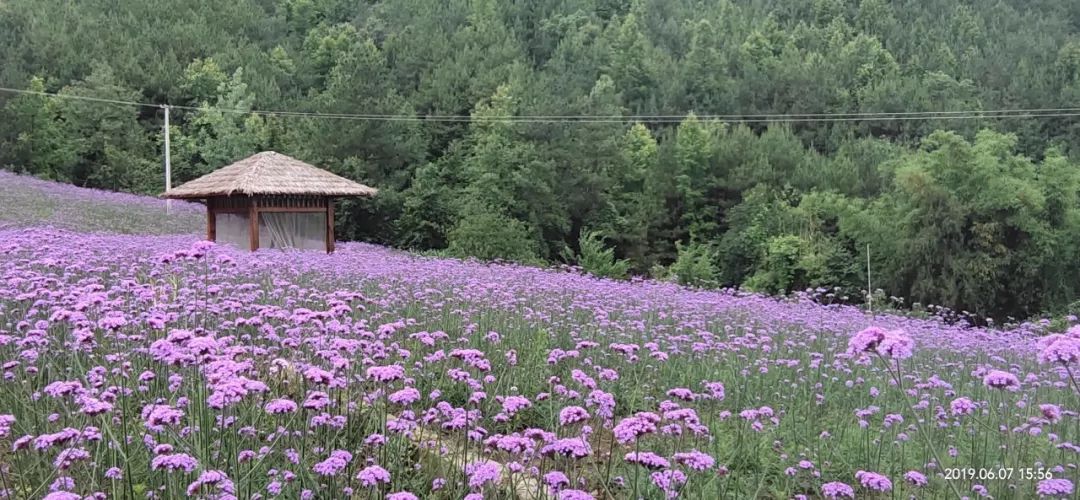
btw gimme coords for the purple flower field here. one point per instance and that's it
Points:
(26, 201)
(163, 366)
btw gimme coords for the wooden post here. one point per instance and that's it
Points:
(211, 221)
(253, 214)
(329, 225)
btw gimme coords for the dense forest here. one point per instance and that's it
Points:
(980, 215)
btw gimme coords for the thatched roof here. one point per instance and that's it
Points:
(269, 173)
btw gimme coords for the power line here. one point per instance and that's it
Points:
(742, 118)
(76, 97)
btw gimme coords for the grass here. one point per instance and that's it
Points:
(28, 202)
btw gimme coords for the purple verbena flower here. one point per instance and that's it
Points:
(174, 462)
(873, 481)
(572, 415)
(695, 460)
(647, 459)
(575, 495)
(481, 473)
(373, 475)
(916, 478)
(998, 379)
(280, 406)
(836, 490)
(556, 480)
(1058, 487)
(962, 406)
(568, 447)
(386, 373)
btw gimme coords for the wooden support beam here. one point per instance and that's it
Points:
(253, 214)
(211, 224)
(211, 220)
(329, 225)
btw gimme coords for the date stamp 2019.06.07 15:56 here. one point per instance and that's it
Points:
(997, 473)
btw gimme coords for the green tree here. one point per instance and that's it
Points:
(429, 207)
(112, 149)
(597, 259)
(203, 79)
(509, 175)
(219, 132)
(635, 199)
(694, 265)
(706, 83)
(587, 170)
(377, 152)
(483, 232)
(31, 138)
(324, 46)
(968, 222)
(697, 177)
(632, 61)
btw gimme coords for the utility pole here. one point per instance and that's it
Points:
(869, 290)
(168, 162)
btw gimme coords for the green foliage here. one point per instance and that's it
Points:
(32, 140)
(598, 259)
(487, 234)
(212, 137)
(203, 79)
(780, 266)
(632, 197)
(695, 144)
(694, 265)
(971, 225)
(110, 146)
(428, 209)
(507, 173)
(793, 263)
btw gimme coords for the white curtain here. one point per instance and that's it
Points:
(292, 230)
(234, 229)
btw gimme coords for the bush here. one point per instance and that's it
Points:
(599, 260)
(792, 263)
(694, 265)
(780, 268)
(489, 235)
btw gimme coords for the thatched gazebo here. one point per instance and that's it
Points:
(270, 200)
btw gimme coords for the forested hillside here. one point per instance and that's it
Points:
(981, 215)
